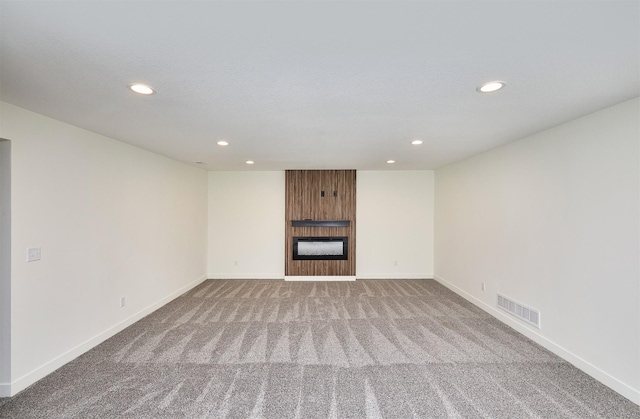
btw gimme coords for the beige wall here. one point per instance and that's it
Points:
(112, 221)
(246, 225)
(394, 223)
(552, 221)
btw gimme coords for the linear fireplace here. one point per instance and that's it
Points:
(321, 248)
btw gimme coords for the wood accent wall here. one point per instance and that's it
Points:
(304, 201)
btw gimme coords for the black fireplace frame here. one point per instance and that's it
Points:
(343, 256)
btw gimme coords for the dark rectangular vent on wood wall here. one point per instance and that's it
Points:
(521, 311)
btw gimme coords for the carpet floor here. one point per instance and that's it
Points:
(275, 349)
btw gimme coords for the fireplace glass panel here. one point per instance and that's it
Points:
(320, 248)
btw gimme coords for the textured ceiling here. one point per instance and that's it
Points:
(318, 85)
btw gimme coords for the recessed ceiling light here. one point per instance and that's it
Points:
(143, 89)
(199, 162)
(391, 161)
(416, 142)
(249, 162)
(491, 86)
(222, 143)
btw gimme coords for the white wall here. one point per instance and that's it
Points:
(5, 263)
(112, 221)
(246, 225)
(394, 224)
(553, 222)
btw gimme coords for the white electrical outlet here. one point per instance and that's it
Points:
(395, 263)
(235, 263)
(33, 254)
(482, 286)
(122, 302)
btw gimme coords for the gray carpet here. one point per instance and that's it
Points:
(274, 349)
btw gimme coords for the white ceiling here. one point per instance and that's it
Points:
(318, 85)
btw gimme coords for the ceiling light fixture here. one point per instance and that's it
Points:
(223, 143)
(391, 161)
(143, 89)
(249, 162)
(416, 142)
(491, 86)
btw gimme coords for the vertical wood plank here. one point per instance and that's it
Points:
(303, 201)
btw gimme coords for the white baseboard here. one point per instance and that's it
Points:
(595, 372)
(319, 278)
(8, 390)
(394, 275)
(246, 276)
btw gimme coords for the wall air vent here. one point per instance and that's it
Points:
(522, 312)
